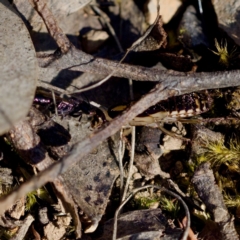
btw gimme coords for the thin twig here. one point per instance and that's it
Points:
(79, 61)
(200, 6)
(162, 189)
(106, 20)
(130, 83)
(51, 87)
(160, 92)
(105, 79)
(78, 151)
(130, 163)
(89, 59)
(121, 151)
(175, 187)
(55, 103)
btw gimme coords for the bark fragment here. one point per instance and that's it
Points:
(204, 183)
(24, 228)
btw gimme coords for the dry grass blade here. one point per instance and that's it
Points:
(130, 163)
(106, 20)
(121, 151)
(162, 189)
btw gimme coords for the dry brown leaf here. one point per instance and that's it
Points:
(19, 69)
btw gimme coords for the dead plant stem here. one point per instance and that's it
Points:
(133, 140)
(162, 189)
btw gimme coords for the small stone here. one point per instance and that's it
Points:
(167, 9)
(56, 230)
(137, 176)
(174, 129)
(52, 232)
(171, 143)
(134, 170)
(154, 205)
(64, 220)
(93, 40)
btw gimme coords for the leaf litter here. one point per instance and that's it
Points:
(84, 191)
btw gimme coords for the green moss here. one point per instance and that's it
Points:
(182, 31)
(170, 206)
(31, 200)
(6, 234)
(146, 202)
(217, 154)
(232, 201)
(32, 197)
(225, 57)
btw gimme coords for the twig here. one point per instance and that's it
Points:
(200, 6)
(134, 45)
(111, 30)
(176, 187)
(24, 228)
(55, 31)
(50, 87)
(121, 151)
(130, 163)
(160, 92)
(55, 103)
(130, 82)
(204, 183)
(106, 20)
(162, 189)
(49, 61)
(79, 61)
(77, 153)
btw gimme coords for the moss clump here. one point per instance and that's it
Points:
(32, 198)
(146, 202)
(171, 206)
(225, 57)
(217, 154)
